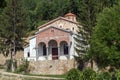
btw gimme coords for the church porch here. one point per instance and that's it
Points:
(54, 50)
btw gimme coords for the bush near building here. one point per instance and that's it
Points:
(89, 74)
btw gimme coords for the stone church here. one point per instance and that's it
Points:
(54, 41)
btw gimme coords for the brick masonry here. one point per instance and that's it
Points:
(52, 34)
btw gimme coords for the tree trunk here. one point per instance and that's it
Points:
(12, 64)
(11, 58)
(14, 29)
(91, 61)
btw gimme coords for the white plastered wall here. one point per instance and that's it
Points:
(72, 45)
(33, 54)
(26, 50)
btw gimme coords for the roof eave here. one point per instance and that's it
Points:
(56, 20)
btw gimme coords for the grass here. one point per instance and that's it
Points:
(33, 79)
(56, 76)
(28, 78)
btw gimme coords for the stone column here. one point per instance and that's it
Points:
(58, 52)
(36, 53)
(47, 52)
(68, 52)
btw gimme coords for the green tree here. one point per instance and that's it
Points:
(2, 5)
(87, 17)
(49, 9)
(105, 42)
(45, 10)
(89, 9)
(60, 7)
(106, 3)
(30, 6)
(73, 6)
(14, 24)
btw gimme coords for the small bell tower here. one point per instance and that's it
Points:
(70, 16)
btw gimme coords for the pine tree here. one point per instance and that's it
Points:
(30, 6)
(87, 17)
(2, 5)
(81, 45)
(89, 9)
(14, 24)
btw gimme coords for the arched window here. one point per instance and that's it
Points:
(60, 25)
(73, 28)
(53, 49)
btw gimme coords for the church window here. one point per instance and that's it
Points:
(65, 49)
(52, 30)
(28, 54)
(60, 26)
(67, 28)
(73, 28)
(44, 50)
(68, 17)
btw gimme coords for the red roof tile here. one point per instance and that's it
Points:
(70, 14)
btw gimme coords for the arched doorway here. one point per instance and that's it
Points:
(42, 49)
(53, 49)
(64, 48)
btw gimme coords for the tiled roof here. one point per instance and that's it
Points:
(68, 31)
(70, 14)
(56, 20)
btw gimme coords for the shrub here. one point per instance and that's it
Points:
(118, 75)
(23, 68)
(104, 76)
(73, 74)
(1, 66)
(9, 63)
(89, 74)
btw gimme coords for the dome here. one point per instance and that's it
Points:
(69, 14)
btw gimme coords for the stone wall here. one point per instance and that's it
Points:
(18, 57)
(51, 66)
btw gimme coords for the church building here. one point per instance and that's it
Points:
(54, 40)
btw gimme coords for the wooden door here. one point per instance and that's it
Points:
(54, 53)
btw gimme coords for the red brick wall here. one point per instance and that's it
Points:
(52, 34)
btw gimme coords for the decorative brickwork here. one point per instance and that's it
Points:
(52, 34)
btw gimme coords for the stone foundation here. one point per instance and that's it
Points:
(51, 66)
